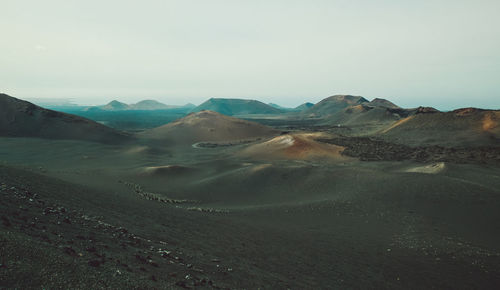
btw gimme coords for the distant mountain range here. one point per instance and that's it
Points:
(378, 117)
(229, 107)
(145, 105)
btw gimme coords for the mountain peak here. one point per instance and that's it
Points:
(379, 102)
(236, 107)
(334, 104)
(206, 125)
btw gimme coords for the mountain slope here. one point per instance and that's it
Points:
(334, 104)
(365, 114)
(144, 105)
(298, 146)
(378, 102)
(304, 106)
(19, 118)
(115, 106)
(207, 126)
(150, 105)
(462, 127)
(232, 107)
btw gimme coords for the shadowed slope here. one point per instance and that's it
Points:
(19, 118)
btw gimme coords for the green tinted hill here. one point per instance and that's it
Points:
(236, 107)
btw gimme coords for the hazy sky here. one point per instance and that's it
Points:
(444, 54)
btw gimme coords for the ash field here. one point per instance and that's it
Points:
(348, 193)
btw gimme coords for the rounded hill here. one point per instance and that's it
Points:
(208, 126)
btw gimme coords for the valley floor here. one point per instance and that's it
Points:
(84, 215)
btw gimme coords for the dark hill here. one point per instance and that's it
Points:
(19, 118)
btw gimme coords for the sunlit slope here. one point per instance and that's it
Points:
(462, 127)
(298, 146)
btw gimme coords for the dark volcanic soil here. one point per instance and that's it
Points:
(55, 234)
(371, 149)
(44, 243)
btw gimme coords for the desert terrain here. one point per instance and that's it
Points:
(238, 194)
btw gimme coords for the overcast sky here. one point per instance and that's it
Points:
(444, 54)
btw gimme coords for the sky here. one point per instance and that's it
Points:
(440, 53)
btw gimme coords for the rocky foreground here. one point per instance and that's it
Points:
(44, 242)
